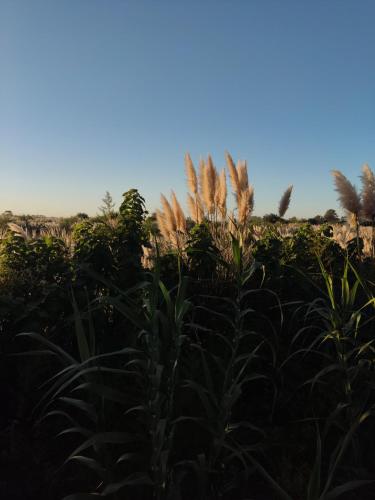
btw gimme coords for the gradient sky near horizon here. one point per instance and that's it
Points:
(102, 95)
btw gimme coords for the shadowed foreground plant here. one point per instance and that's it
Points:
(336, 322)
(342, 319)
(319, 485)
(161, 324)
(83, 396)
(227, 369)
(213, 371)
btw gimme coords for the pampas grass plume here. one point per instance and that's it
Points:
(191, 174)
(212, 174)
(233, 175)
(201, 174)
(169, 217)
(221, 193)
(242, 175)
(208, 185)
(245, 204)
(178, 214)
(195, 208)
(162, 225)
(285, 201)
(348, 196)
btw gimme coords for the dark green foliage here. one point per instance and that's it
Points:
(201, 252)
(34, 276)
(271, 218)
(93, 245)
(202, 379)
(317, 220)
(132, 235)
(299, 251)
(355, 247)
(115, 250)
(331, 216)
(288, 260)
(132, 215)
(269, 251)
(306, 244)
(82, 215)
(29, 264)
(67, 223)
(151, 226)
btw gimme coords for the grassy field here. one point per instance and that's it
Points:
(169, 357)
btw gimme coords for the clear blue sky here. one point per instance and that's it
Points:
(100, 95)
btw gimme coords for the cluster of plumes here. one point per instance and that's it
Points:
(208, 191)
(357, 204)
(171, 219)
(242, 190)
(53, 231)
(207, 200)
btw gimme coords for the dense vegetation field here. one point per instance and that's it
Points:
(209, 357)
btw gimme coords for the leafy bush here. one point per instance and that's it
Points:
(32, 263)
(201, 252)
(132, 235)
(93, 245)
